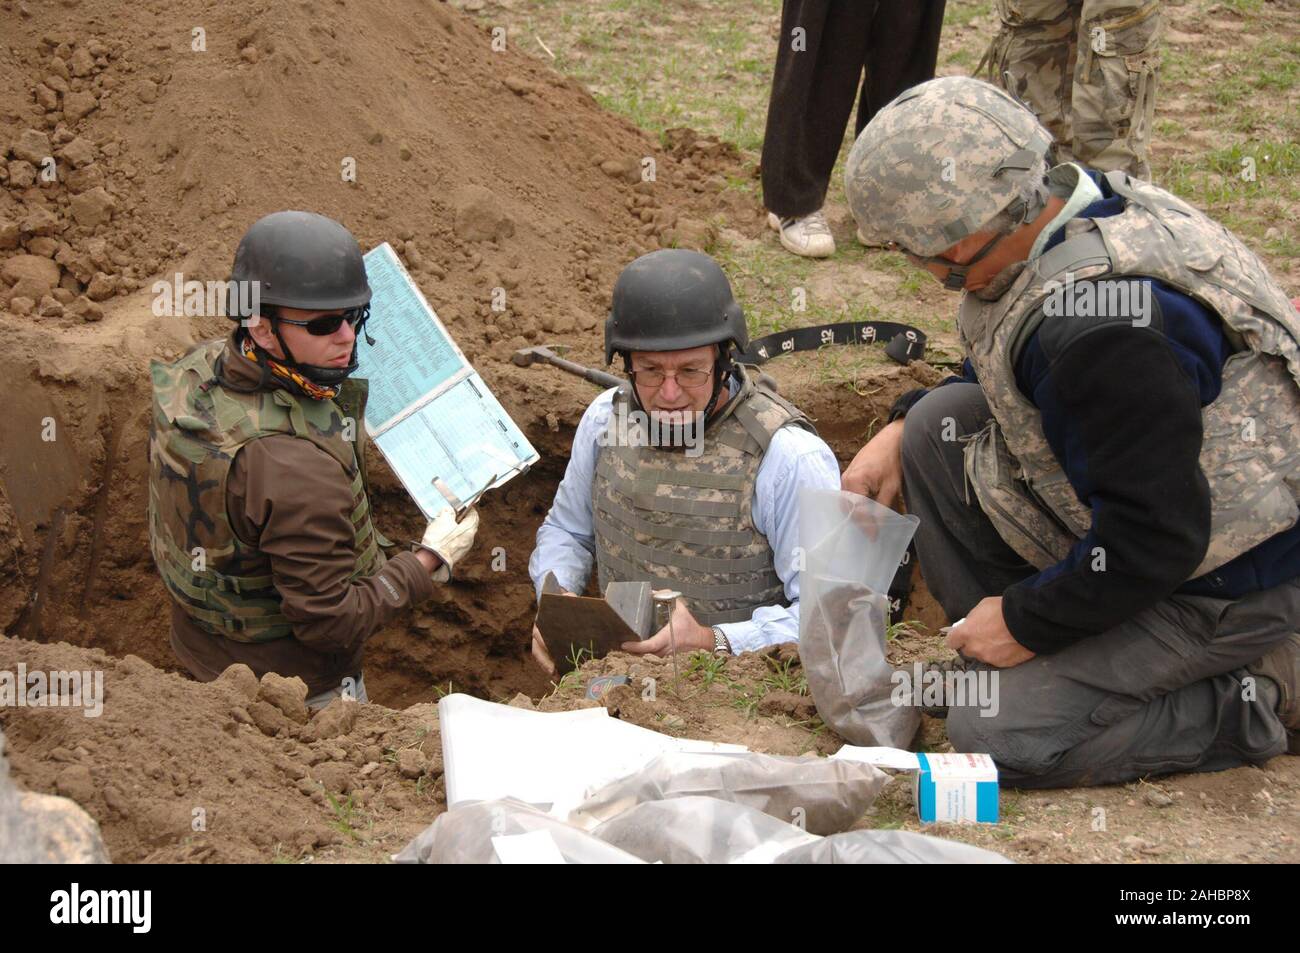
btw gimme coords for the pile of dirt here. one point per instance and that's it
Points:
(759, 699)
(482, 168)
(231, 771)
(236, 771)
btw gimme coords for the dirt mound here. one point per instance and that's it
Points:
(484, 169)
(759, 699)
(229, 771)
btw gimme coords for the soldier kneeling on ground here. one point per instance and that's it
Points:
(1108, 495)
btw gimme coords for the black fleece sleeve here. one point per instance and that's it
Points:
(908, 399)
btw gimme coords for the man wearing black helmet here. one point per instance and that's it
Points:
(686, 476)
(259, 520)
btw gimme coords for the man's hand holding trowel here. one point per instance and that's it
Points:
(686, 632)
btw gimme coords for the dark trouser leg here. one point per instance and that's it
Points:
(962, 557)
(1165, 691)
(902, 51)
(813, 89)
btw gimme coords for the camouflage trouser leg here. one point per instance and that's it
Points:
(1115, 84)
(1088, 69)
(1032, 57)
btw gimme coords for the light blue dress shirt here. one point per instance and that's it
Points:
(566, 543)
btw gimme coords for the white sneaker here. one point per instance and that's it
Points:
(809, 236)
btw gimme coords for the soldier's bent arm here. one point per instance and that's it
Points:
(294, 502)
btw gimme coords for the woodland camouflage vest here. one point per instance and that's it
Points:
(223, 584)
(1251, 450)
(686, 523)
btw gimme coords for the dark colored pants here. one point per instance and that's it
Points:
(1165, 691)
(813, 88)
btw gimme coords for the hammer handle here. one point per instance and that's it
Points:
(602, 378)
(586, 373)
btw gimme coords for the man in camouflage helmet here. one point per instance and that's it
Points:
(686, 476)
(259, 520)
(1088, 69)
(1108, 494)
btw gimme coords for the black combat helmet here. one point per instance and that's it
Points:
(672, 300)
(300, 260)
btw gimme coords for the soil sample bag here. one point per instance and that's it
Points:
(852, 546)
(822, 795)
(701, 830)
(490, 832)
(888, 847)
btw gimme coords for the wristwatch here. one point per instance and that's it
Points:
(720, 644)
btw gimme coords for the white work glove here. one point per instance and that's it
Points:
(449, 540)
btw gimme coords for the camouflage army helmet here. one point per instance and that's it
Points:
(941, 161)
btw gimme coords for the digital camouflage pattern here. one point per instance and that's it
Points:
(198, 426)
(940, 162)
(1089, 70)
(686, 523)
(1251, 450)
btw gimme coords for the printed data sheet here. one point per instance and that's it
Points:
(429, 412)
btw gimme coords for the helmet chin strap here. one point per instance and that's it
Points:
(955, 280)
(1021, 211)
(723, 368)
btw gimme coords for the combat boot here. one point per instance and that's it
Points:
(1282, 667)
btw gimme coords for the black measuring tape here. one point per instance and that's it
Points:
(900, 587)
(902, 342)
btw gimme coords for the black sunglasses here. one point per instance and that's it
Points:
(329, 323)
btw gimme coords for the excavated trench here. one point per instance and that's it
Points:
(77, 565)
(74, 542)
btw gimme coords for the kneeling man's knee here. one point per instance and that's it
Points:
(977, 730)
(937, 420)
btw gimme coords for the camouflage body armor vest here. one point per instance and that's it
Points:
(686, 523)
(222, 583)
(1251, 450)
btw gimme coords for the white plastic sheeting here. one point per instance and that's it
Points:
(672, 803)
(888, 847)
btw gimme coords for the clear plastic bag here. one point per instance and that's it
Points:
(824, 795)
(888, 847)
(852, 538)
(681, 830)
(701, 830)
(852, 546)
(463, 835)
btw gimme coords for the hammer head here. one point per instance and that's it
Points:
(530, 355)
